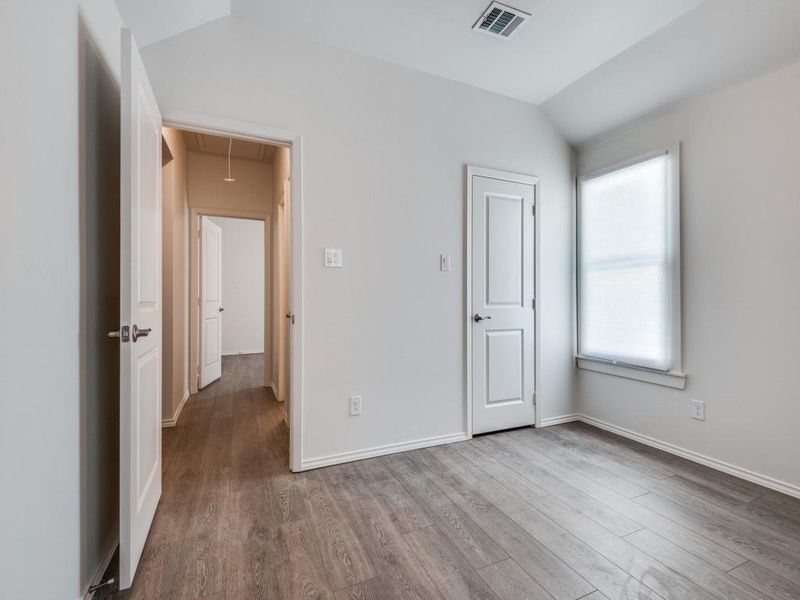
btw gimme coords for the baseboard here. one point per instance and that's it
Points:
(559, 420)
(344, 457)
(237, 352)
(763, 480)
(274, 389)
(97, 576)
(174, 420)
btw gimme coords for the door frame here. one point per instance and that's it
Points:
(196, 280)
(477, 171)
(261, 133)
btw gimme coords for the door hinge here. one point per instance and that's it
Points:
(533, 210)
(533, 303)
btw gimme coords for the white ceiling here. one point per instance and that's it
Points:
(719, 43)
(592, 64)
(563, 40)
(155, 20)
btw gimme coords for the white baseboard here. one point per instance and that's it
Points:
(101, 568)
(559, 420)
(343, 457)
(237, 352)
(768, 482)
(174, 420)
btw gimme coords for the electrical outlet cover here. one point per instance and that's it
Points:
(355, 406)
(697, 410)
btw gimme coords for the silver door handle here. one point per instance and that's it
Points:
(136, 333)
(121, 334)
(479, 317)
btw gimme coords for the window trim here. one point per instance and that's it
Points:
(673, 377)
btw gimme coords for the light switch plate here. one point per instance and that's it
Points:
(333, 258)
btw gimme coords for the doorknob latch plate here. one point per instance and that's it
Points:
(122, 334)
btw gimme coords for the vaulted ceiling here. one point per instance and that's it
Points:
(593, 65)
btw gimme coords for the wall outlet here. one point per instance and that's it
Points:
(355, 406)
(444, 262)
(697, 410)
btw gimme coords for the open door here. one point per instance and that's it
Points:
(210, 301)
(140, 312)
(287, 375)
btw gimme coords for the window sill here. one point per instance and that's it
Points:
(672, 379)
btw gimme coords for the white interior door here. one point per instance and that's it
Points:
(140, 274)
(210, 301)
(287, 340)
(502, 304)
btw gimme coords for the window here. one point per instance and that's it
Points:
(629, 269)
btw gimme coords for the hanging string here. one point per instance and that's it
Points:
(230, 145)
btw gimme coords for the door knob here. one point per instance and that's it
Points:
(136, 333)
(122, 334)
(221, 309)
(479, 317)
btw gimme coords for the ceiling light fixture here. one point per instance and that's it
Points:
(229, 178)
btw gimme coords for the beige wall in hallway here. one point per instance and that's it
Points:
(249, 196)
(175, 208)
(279, 268)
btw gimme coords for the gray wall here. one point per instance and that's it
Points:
(740, 210)
(100, 306)
(44, 373)
(384, 154)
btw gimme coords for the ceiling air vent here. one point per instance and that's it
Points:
(500, 20)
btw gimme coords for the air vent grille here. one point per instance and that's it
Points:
(500, 20)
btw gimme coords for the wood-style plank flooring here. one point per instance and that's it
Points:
(561, 513)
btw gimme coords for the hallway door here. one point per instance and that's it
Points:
(210, 301)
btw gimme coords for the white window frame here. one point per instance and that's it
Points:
(674, 377)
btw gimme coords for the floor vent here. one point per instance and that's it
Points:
(500, 20)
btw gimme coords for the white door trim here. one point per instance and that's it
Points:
(476, 171)
(259, 132)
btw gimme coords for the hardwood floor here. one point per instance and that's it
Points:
(561, 513)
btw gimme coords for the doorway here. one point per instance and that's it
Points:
(233, 293)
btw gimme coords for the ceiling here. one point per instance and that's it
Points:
(212, 144)
(155, 20)
(719, 43)
(593, 65)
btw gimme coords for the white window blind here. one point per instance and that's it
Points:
(628, 265)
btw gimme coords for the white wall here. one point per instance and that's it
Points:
(40, 432)
(384, 150)
(242, 285)
(740, 248)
